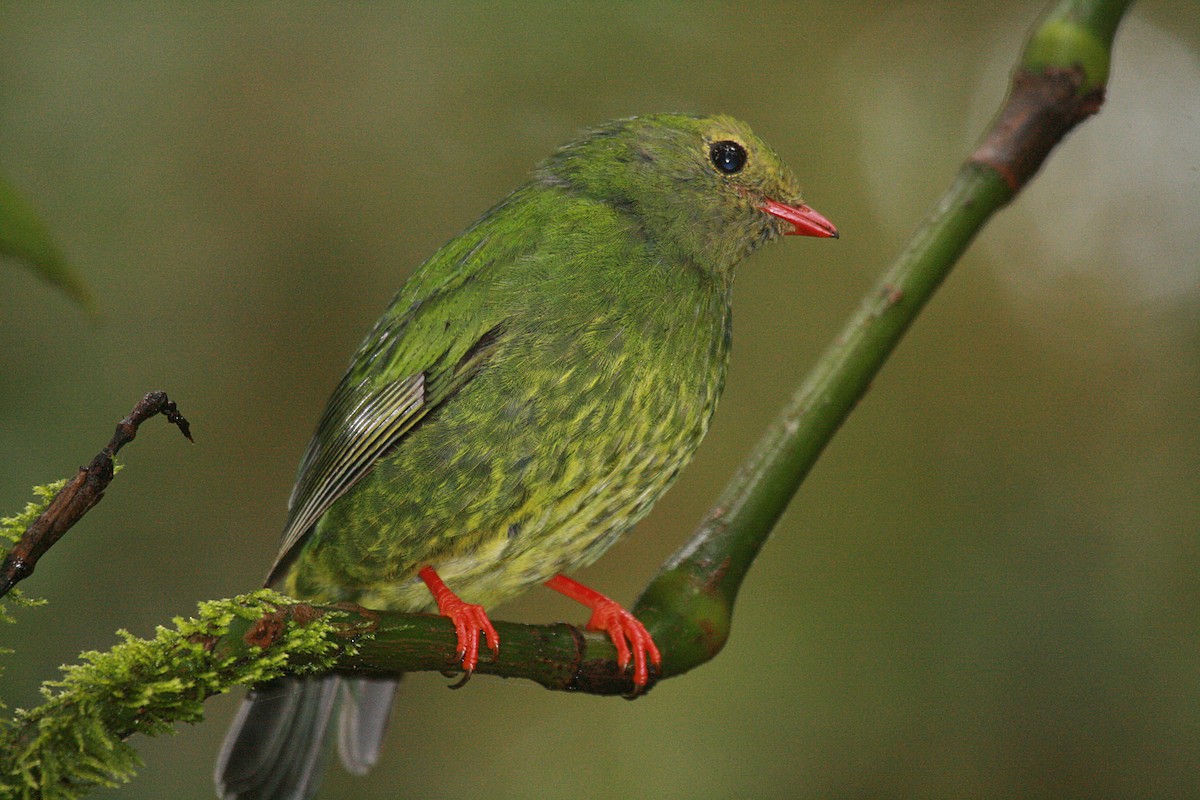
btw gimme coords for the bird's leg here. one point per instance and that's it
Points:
(626, 632)
(469, 620)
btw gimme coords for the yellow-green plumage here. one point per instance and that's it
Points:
(572, 361)
(541, 380)
(579, 412)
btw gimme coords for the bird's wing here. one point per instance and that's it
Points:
(433, 339)
(371, 420)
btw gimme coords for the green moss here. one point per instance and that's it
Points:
(11, 530)
(12, 527)
(75, 741)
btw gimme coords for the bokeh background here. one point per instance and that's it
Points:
(989, 586)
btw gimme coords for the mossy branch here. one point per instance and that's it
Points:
(76, 739)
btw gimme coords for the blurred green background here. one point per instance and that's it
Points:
(987, 588)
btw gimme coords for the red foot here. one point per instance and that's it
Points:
(628, 634)
(469, 620)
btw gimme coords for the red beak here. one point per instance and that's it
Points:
(805, 221)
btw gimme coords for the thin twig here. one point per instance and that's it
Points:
(82, 492)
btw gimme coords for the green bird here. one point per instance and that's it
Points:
(525, 399)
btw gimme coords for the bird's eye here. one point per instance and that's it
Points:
(727, 157)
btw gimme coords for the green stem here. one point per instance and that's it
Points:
(1077, 32)
(687, 607)
(1059, 81)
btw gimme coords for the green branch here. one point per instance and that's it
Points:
(1059, 81)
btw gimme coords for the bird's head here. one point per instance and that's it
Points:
(704, 187)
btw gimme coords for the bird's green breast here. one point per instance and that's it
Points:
(600, 357)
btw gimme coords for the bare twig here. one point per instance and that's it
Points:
(82, 492)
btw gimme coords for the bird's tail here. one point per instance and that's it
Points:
(275, 749)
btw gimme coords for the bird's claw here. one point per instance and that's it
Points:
(630, 637)
(470, 620)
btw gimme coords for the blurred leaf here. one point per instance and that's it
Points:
(25, 237)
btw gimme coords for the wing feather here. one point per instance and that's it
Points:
(333, 464)
(439, 331)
